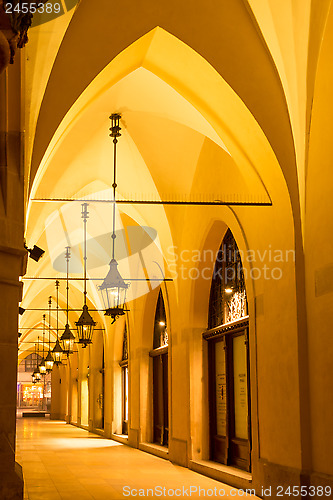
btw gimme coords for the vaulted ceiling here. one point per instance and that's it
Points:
(215, 101)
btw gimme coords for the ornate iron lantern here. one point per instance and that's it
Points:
(49, 358)
(42, 367)
(85, 325)
(67, 338)
(49, 362)
(113, 288)
(36, 375)
(57, 352)
(113, 291)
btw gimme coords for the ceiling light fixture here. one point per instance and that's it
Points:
(114, 288)
(42, 367)
(36, 376)
(67, 338)
(57, 350)
(85, 325)
(49, 358)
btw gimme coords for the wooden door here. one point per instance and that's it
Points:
(229, 399)
(160, 400)
(124, 371)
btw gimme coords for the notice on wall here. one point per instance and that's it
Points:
(240, 387)
(221, 389)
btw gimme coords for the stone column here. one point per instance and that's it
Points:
(11, 481)
(12, 265)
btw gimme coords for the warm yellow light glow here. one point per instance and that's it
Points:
(228, 290)
(161, 323)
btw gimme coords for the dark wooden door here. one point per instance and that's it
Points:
(124, 372)
(229, 399)
(218, 401)
(160, 400)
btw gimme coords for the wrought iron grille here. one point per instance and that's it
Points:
(227, 294)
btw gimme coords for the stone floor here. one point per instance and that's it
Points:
(63, 462)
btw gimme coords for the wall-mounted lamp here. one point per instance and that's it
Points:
(35, 253)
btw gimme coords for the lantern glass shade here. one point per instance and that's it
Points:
(42, 367)
(37, 375)
(57, 353)
(113, 291)
(85, 327)
(49, 362)
(67, 341)
(115, 125)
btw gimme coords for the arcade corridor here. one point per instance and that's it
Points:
(63, 462)
(166, 247)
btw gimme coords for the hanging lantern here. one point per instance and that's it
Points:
(57, 350)
(67, 341)
(36, 375)
(85, 327)
(49, 362)
(113, 288)
(49, 358)
(57, 353)
(42, 367)
(113, 291)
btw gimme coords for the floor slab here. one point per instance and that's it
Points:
(61, 461)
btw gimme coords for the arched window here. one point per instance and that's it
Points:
(227, 336)
(30, 363)
(227, 296)
(161, 338)
(159, 353)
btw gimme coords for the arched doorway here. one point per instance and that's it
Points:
(228, 358)
(32, 394)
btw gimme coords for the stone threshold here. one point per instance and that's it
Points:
(155, 449)
(121, 438)
(224, 473)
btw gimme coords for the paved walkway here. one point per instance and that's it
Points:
(63, 462)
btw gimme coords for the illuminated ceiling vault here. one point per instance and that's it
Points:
(214, 104)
